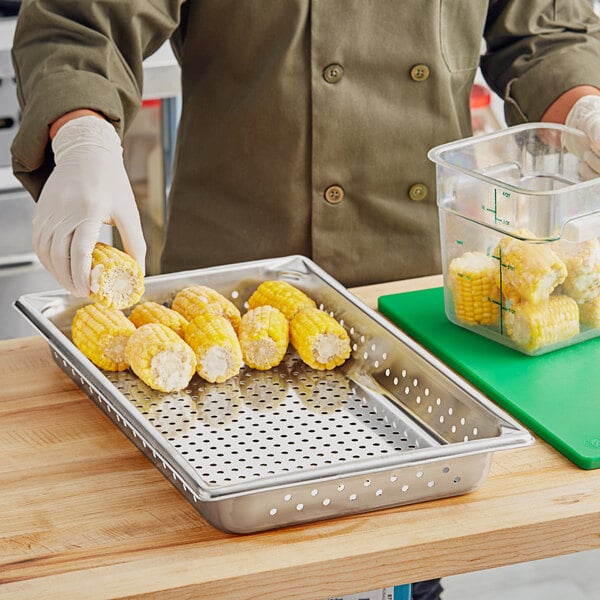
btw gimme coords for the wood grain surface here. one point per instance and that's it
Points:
(83, 514)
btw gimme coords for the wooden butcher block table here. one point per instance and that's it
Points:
(83, 514)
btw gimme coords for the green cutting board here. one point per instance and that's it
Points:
(556, 395)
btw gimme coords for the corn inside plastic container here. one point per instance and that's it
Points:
(519, 226)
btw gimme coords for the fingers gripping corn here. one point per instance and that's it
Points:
(583, 266)
(474, 290)
(217, 348)
(282, 295)
(193, 300)
(528, 271)
(160, 358)
(264, 337)
(116, 279)
(101, 333)
(533, 325)
(320, 341)
(152, 312)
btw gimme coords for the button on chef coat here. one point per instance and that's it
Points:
(334, 194)
(418, 192)
(419, 72)
(263, 133)
(333, 73)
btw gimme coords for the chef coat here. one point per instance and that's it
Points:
(305, 123)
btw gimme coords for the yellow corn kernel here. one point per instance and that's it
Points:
(193, 300)
(116, 279)
(534, 325)
(589, 313)
(528, 271)
(152, 312)
(101, 333)
(282, 295)
(264, 337)
(320, 341)
(217, 348)
(583, 266)
(160, 358)
(474, 290)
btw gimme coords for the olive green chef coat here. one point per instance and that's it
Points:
(305, 124)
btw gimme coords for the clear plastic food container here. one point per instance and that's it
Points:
(519, 231)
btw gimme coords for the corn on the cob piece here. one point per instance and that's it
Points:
(583, 266)
(101, 333)
(474, 289)
(116, 279)
(534, 325)
(193, 300)
(589, 313)
(264, 337)
(282, 295)
(160, 358)
(152, 312)
(320, 341)
(216, 345)
(528, 271)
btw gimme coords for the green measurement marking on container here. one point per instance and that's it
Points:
(500, 301)
(494, 210)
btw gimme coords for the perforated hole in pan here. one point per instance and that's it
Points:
(261, 424)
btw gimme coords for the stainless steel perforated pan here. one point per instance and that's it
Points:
(268, 449)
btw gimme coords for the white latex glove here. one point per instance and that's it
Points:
(88, 187)
(585, 116)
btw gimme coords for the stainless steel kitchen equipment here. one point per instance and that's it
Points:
(268, 449)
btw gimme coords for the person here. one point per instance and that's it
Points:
(304, 128)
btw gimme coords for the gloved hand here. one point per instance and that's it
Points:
(88, 187)
(585, 116)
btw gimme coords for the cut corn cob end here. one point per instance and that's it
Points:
(528, 271)
(217, 347)
(474, 290)
(535, 325)
(116, 279)
(264, 337)
(282, 295)
(320, 341)
(583, 266)
(589, 313)
(195, 299)
(160, 358)
(152, 312)
(102, 333)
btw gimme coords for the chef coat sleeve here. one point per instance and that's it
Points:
(70, 54)
(537, 50)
